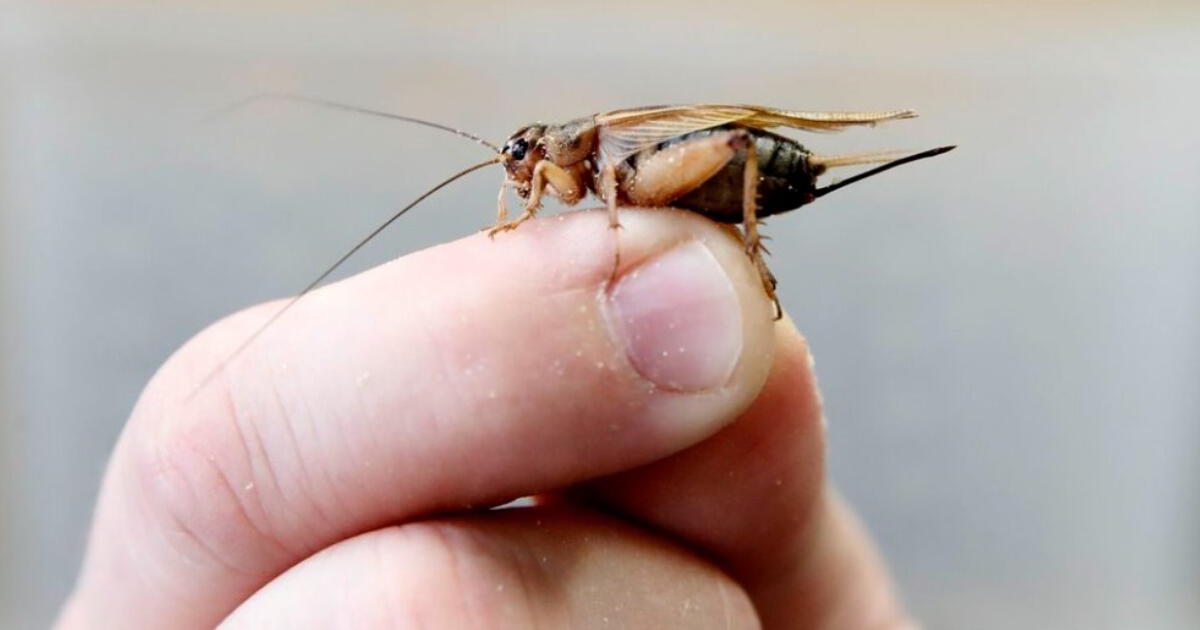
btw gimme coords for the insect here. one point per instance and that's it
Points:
(716, 160)
(720, 161)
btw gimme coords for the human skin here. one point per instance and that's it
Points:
(340, 471)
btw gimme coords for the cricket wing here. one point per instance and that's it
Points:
(627, 131)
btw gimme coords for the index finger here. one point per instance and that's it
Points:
(457, 377)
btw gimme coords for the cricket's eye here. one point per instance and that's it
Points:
(518, 149)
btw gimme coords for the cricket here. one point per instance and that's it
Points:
(719, 161)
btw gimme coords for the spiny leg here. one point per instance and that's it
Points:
(753, 242)
(667, 174)
(664, 175)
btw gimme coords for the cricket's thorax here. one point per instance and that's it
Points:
(571, 142)
(786, 179)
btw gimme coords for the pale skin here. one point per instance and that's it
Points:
(339, 473)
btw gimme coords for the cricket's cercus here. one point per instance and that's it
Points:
(720, 161)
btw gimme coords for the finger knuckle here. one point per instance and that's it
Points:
(198, 485)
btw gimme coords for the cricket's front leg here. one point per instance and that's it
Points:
(564, 184)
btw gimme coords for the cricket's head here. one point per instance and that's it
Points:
(521, 153)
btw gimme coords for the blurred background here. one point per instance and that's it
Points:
(1007, 336)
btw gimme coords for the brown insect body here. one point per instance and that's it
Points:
(716, 160)
(786, 178)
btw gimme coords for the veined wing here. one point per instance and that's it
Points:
(627, 131)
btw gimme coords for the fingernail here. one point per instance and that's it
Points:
(679, 318)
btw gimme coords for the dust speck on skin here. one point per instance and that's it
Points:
(600, 365)
(249, 486)
(579, 353)
(492, 394)
(778, 482)
(500, 587)
(363, 378)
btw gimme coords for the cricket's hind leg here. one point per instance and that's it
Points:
(670, 173)
(752, 239)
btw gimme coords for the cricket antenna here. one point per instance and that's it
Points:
(325, 274)
(821, 192)
(320, 102)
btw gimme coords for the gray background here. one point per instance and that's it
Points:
(1007, 336)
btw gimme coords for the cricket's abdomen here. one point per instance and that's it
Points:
(786, 180)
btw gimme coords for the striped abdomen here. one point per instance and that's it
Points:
(785, 180)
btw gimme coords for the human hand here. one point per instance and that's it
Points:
(339, 472)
